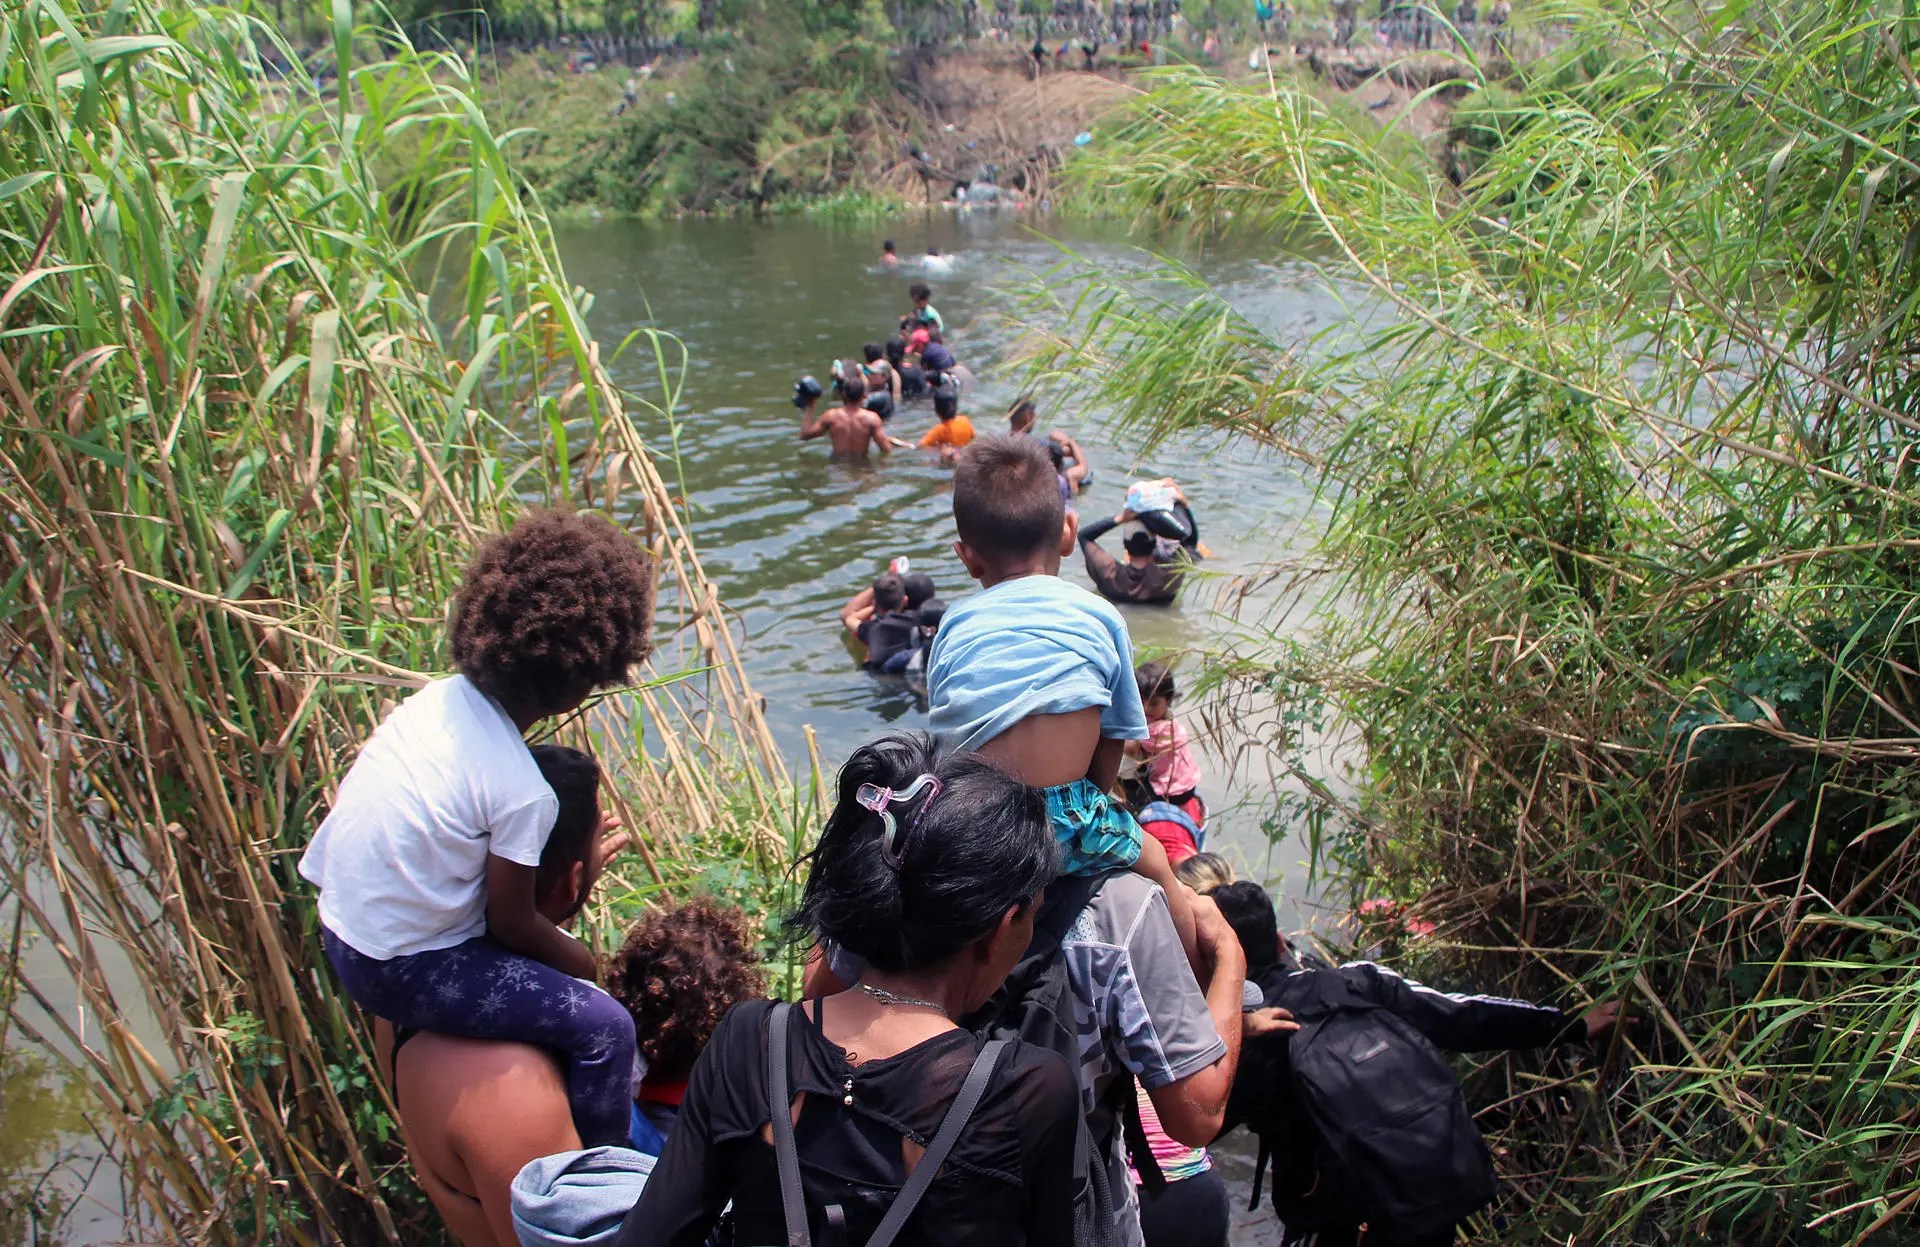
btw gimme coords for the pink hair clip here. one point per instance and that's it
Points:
(878, 799)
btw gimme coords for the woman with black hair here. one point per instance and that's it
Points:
(930, 871)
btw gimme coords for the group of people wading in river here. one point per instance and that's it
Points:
(1031, 1001)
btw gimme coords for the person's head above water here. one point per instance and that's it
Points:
(564, 876)
(886, 248)
(874, 352)
(559, 605)
(1140, 545)
(1008, 510)
(1249, 911)
(889, 593)
(1021, 416)
(896, 350)
(853, 389)
(921, 294)
(678, 972)
(929, 864)
(919, 587)
(932, 611)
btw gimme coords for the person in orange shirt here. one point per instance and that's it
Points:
(953, 429)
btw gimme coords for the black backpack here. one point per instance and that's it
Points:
(1378, 1127)
(1036, 1005)
(893, 1214)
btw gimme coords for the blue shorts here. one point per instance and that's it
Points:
(1095, 834)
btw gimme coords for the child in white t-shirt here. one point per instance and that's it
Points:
(427, 863)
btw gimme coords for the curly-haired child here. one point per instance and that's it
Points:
(678, 972)
(426, 863)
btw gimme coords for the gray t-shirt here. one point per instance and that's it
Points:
(1138, 1009)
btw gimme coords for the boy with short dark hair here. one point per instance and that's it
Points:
(1036, 674)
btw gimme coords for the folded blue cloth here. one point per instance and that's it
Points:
(573, 1198)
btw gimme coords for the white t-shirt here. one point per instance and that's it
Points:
(401, 862)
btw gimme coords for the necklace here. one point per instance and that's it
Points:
(882, 996)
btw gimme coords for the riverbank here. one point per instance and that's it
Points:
(708, 135)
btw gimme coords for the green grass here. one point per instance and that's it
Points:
(1618, 572)
(244, 463)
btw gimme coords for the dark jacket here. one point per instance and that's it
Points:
(1156, 584)
(1263, 1088)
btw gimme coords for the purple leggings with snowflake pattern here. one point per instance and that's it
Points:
(480, 990)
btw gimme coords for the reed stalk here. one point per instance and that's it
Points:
(276, 351)
(1616, 591)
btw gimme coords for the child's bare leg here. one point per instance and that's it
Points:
(1154, 865)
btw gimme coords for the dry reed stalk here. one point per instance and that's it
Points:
(243, 466)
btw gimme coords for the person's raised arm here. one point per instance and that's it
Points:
(516, 923)
(1463, 1023)
(858, 610)
(1099, 528)
(811, 424)
(1193, 1109)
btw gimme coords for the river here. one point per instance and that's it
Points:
(788, 534)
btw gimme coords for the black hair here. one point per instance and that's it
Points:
(919, 588)
(919, 290)
(935, 333)
(575, 779)
(1155, 679)
(1023, 412)
(887, 245)
(946, 406)
(852, 387)
(978, 847)
(1140, 543)
(1249, 911)
(555, 607)
(1006, 498)
(932, 611)
(873, 351)
(896, 350)
(889, 593)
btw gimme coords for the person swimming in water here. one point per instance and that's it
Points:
(850, 428)
(889, 258)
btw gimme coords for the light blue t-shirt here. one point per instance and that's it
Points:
(1034, 645)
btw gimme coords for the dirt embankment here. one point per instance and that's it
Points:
(982, 110)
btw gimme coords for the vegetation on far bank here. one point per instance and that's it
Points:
(245, 458)
(1619, 573)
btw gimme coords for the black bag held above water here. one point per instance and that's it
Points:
(793, 1198)
(1393, 1144)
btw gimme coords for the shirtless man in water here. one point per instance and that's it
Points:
(474, 1111)
(850, 427)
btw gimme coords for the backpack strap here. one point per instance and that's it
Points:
(780, 1110)
(1260, 1171)
(943, 1140)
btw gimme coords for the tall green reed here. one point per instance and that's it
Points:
(277, 350)
(1618, 457)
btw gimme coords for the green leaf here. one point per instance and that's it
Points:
(276, 525)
